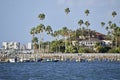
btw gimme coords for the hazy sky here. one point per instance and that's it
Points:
(17, 17)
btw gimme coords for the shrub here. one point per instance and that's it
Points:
(114, 50)
(85, 50)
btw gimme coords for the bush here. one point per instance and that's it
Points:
(71, 49)
(114, 50)
(102, 49)
(85, 50)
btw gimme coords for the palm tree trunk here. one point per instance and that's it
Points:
(65, 44)
(33, 44)
(59, 45)
(116, 42)
(40, 44)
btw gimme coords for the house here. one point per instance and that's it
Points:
(106, 42)
(89, 42)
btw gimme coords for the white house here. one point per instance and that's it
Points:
(89, 42)
(106, 42)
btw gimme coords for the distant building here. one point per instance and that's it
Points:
(5, 45)
(11, 45)
(29, 46)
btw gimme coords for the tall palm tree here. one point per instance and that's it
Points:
(87, 22)
(113, 26)
(87, 12)
(67, 10)
(65, 33)
(87, 25)
(32, 32)
(41, 16)
(80, 22)
(40, 28)
(49, 31)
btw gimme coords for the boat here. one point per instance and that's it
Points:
(11, 60)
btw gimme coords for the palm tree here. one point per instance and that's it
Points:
(55, 34)
(65, 33)
(41, 16)
(80, 22)
(32, 32)
(109, 23)
(87, 12)
(40, 28)
(107, 28)
(87, 25)
(117, 35)
(49, 31)
(102, 23)
(114, 13)
(113, 26)
(35, 41)
(67, 10)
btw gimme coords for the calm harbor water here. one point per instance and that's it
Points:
(60, 71)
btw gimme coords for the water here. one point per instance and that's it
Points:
(60, 71)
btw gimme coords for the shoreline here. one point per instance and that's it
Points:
(55, 57)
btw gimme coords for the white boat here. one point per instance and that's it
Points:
(12, 60)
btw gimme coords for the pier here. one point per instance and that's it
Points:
(78, 57)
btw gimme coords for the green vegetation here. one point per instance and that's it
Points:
(64, 37)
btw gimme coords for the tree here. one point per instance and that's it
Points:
(113, 26)
(109, 23)
(87, 12)
(49, 31)
(87, 25)
(114, 13)
(102, 23)
(80, 22)
(67, 10)
(41, 16)
(117, 35)
(32, 32)
(55, 34)
(65, 33)
(35, 41)
(40, 28)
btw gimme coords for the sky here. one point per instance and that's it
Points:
(17, 17)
